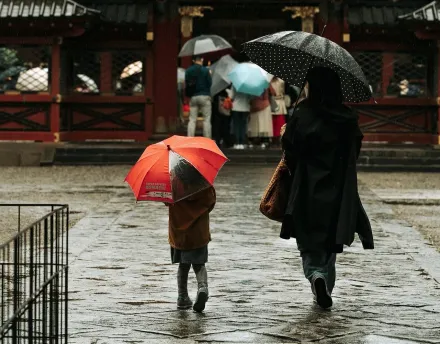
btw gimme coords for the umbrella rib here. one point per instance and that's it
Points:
(207, 161)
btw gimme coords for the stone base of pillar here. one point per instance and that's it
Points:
(161, 126)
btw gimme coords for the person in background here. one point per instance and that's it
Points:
(260, 129)
(278, 117)
(393, 89)
(408, 90)
(240, 113)
(198, 88)
(221, 118)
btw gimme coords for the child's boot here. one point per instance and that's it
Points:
(202, 282)
(183, 300)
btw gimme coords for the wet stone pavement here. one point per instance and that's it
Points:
(123, 286)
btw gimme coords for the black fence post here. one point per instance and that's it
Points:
(34, 279)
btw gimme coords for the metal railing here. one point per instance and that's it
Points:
(34, 278)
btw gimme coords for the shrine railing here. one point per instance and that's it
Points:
(34, 278)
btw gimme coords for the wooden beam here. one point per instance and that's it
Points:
(17, 40)
(416, 138)
(399, 101)
(26, 136)
(102, 135)
(55, 86)
(387, 71)
(109, 44)
(25, 98)
(427, 35)
(103, 99)
(384, 46)
(106, 82)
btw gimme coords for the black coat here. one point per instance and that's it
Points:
(324, 211)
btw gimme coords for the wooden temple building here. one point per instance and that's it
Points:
(106, 69)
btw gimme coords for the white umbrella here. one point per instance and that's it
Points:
(89, 82)
(35, 79)
(204, 44)
(132, 69)
(220, 71)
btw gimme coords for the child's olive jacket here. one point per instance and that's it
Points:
(189, 220)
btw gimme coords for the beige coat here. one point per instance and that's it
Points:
(278, 86)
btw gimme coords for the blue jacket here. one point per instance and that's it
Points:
(203, 77)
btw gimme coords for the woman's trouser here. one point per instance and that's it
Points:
(239, 119)
(319, 263)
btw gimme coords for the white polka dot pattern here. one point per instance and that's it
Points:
(290, 54)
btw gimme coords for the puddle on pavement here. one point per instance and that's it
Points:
(373, 339)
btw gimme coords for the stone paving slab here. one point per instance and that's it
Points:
(123, 287)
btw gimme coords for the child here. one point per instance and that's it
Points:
(189, 236)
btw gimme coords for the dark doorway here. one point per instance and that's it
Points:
(239, 23)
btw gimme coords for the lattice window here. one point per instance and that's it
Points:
(127, 71)
(94, 72)
(371, 64)
(409, 75)
(84, 72)
(24, 69)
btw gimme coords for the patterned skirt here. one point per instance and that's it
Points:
(196, 256)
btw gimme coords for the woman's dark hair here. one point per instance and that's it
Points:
(324, 87)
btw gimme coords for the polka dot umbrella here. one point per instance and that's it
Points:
(290, 54)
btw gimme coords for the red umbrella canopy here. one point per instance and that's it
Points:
(175, 168)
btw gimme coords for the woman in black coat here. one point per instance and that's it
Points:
(321, 144)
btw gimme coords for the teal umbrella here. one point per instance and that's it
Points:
(11, 72)
(250, 79)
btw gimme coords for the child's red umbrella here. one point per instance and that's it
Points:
(175, 168)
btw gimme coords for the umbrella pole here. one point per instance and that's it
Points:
(311, 62)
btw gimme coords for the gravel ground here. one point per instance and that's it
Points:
(86, 188)
(82, 188)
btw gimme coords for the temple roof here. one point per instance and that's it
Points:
(41, 8)
(111, 10)
(428, 13)
(380, 16)
(122, 13)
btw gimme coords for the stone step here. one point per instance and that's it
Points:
(371, 158)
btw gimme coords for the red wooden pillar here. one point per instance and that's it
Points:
(437, 141)
(334, 30)
(149, 75)
(334, 19)
(387, 71)
(166, 45)
(185, 61)
(149, 93)
(55, 90)
(106, 73)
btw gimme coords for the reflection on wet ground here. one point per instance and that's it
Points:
(123, 288)
(258, 293)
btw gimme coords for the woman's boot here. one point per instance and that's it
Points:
(202, 284)
(183, 300)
